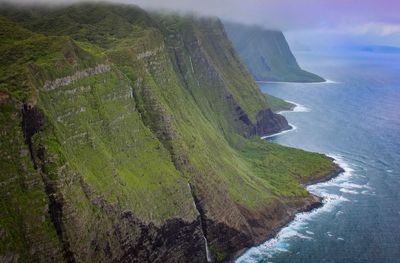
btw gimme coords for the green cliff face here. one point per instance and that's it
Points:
(129, 137)
(267, 55)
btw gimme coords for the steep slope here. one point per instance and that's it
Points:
(267, 54)
(128, 138)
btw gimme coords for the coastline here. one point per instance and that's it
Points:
(327, 81)
(295, 210)
(296, 108)
(292, 128)
(338, 170)
(302, 206)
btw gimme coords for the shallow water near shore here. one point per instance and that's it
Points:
(356, 120)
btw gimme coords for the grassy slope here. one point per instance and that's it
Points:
(174, 128)
(27, 231)
(278, 104)
(25, 226)
(93, 131)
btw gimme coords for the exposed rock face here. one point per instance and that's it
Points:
(174, 241)
(269, 123)
(60, 82)
(124, 237)
(32, 122)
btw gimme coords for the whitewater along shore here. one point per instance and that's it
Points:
(296, 206)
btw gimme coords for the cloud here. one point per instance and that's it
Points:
(287, 15)
(377, 28)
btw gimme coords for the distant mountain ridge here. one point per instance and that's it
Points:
(267, 54)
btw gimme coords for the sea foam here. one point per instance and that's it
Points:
(298, 107)
(294, 230)
(347, 191)
(292, 128)
(328, 81)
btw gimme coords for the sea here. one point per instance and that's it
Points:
(354, 117)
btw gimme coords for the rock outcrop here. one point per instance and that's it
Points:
(269, 123)
(65, 81)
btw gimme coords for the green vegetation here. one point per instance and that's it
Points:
(277, 104)
(26, 229)
(267, 54)
(286, 166)
(218, 254)
(135, 106)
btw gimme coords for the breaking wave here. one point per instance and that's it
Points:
(297, 229)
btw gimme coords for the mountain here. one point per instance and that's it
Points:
(267, 54)
(129, 136)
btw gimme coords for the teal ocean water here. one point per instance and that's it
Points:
(354, 118)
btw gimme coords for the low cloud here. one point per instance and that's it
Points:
(283, 14)
(383, 29)
(351, 17)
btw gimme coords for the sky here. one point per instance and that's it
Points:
(325, 22)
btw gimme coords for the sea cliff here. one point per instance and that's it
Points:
(267, 54)
(130, 136)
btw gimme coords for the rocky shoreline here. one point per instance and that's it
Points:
(338, 170)
(294, 207)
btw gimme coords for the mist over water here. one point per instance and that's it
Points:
(356, 120)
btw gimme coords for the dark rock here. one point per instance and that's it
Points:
(32, 122)
(269, 123)
(336, 170)
(174, 241)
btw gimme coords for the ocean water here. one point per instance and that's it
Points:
(354, 118)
